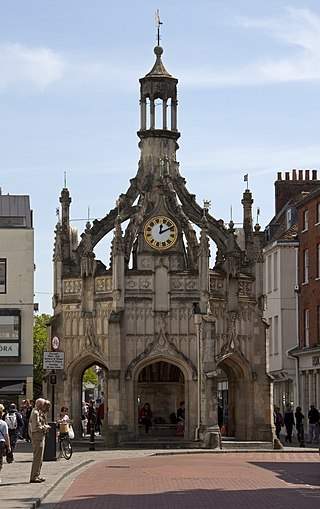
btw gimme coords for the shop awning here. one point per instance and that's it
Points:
(12, 387)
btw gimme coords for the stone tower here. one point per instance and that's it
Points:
(162, 324)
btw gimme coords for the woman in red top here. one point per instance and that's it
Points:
(145, 416)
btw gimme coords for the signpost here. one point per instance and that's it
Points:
(53, 361)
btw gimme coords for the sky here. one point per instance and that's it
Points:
(248, 91)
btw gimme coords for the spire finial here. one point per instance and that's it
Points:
(158, 23)
(65, 180)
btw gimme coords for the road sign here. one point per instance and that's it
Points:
(55, 342)
(53, 360)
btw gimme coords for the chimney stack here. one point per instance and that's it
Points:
(289, 188)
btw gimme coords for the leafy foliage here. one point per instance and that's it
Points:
(39, 346)
(89, 376)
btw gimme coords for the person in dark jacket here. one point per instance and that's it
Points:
(145, 416)
(14, 420)
(92, 416)
(313, 428)
(299, 423)
(288, 421)
(278, 420)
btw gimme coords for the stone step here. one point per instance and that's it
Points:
(160, 444)
(159, 431)
(239, 445)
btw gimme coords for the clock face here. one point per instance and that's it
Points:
(160, 232)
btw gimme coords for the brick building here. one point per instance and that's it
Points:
(291, 282)
(309, 298)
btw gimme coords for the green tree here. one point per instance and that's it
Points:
(39, 346)
(89, 376)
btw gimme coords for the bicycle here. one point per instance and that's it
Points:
(65, 445)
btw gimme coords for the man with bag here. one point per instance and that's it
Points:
(38, 428)
(14, 422)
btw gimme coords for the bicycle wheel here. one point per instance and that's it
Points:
(66, 447)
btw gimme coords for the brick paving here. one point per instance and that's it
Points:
(124, 479)
(188, 481)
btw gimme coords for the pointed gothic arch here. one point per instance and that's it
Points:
(162, 381)
(240, 396)
(74, 377)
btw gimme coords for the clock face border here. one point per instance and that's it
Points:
(157, 240)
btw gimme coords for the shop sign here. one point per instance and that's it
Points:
(9, 349)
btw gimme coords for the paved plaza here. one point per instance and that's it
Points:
(114, 479)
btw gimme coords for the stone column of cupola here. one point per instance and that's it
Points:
(164, 114)
(152, 114)
(174, 110)
(143, 114)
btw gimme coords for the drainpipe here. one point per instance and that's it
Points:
(289, 353)
(198, 323)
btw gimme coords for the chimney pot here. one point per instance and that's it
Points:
(279, 175)
(300, 174)
(314, 175)
(294, 174)
(307, 174)
(287, 175)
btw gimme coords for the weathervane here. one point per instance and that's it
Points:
(158, 23)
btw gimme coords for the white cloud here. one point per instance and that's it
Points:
(23, 67)
(298, 31)
(254, 160)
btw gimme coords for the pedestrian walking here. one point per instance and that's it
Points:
(278, 420)
(25, 411)
(288, 421)
(84, 418)
(14, 421)
(313, 427)
(38, 428)
(4, 438)
(92, 415)
(299, 423)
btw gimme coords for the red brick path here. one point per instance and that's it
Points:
(219, 481)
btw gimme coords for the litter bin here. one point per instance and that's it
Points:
(50, 448)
